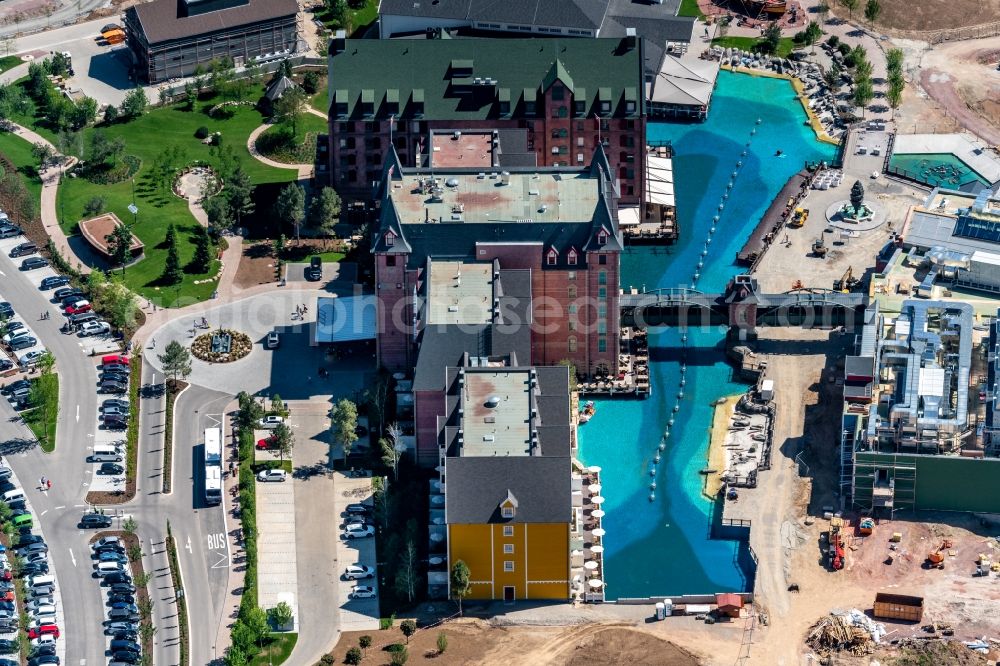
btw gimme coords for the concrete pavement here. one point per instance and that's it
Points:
(277, 566)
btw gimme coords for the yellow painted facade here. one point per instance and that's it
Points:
(533, 559)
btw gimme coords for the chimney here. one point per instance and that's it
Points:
(630, 39)
(339, 42)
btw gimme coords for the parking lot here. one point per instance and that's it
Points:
(333, 271)
(277, 579)
(355, 614)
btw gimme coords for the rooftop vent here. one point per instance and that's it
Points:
(493, 401)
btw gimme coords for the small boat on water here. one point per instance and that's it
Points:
(588, 411)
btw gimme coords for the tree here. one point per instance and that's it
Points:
(284, 440)
(290, 107)
(408, 627)
(239, 193)
(130, 526)
(771, 38)
(406, 576)
(831, 77)
(281, 615)
(336, 10)
(172, 273)
(202, 260)
(120, 245)
(236, 656)
(110, 113)
(442, 642)
(134, 553)
(190, 95)
(863, 70)
(859, 54)
(43, 153)
(863, 93)
(164, 96)
(353, 657)
(851, 5)
(277, 404)
(256, 622)
(289, 208)
(310, 82)
(145, 607)
(365, 641)
(345, 423)
(142, 579)
(119, 304)
(44, 394)
(894, 94)
(461, 584)
(324, 211)
(218, 211)
(175, 360)
(135, 103)
(250, 411)
(393, 448)
(823, 10)
(813, 32)
(104, 150)
(94, 206)
(894, 60)
(873, 8)
(147, 630)
(84, 112)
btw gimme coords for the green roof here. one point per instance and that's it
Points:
(594, 65)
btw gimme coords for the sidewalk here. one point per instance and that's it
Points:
(305, 170)
(231, 608)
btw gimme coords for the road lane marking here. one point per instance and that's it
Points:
(217, 541)
(188, 546)
(78, 413)
(59, 508)
(223, 562)
(43, 513)
(72, 557)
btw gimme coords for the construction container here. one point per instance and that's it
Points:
(896, 537)
(767, 390)
(659, 610)
(898, 607)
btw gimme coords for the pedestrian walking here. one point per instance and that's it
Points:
(41, 482)
(152, 343)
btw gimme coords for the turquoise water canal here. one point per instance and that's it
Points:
(663, 547)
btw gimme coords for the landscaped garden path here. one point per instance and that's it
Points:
(304, 170)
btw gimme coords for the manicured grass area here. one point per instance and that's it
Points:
(44, 428)
(9, 62)
(18, 151)
(329, 256)
(357, 19)
(304, 150)
(785, 46)
(690, 8)
(321, 100)
(276, 650)
(146, 138)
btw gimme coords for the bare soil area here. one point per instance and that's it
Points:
(933, 14)
(256, 265)
(963, 79)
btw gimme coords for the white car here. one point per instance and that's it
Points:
(270, 422)
(271, 475)
(44, 639)
(94, 328)
(358, 531)
(363, 592)
(14, 329)
(39, 602)
(358, 572)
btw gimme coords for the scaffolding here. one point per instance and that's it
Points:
(885, 482)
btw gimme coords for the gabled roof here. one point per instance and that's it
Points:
(603, 221)
(509, 499)
(163, 20)
(578, 14)
(557, 72)
(278, 88)
(389, 223)
(542, 485)
(599, 163)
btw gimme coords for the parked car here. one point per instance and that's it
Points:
(113, 387)
(362, 592)
(315, 270)
(123, 614)
(114, 367)
(12, 329)
(114, 376)
(111, 556)
(114, 359)
(115, 403)
(16, 385)
(120, 598)
(44, 630)
(126, 636)
(31, 263)
(358, 572)
(29, 359)
(66, 292)
(5, 364)
(44, 660)
(110, 469)
(34, 547)
(116, 423)
(6, 309)
(78, 307)
(271, 475)
(82, 318)
(10, 230)
(8, 646)
(114, 627)
(357, 510)
(271, 421)
(116, 577)
(114, 411)
(105, 541)
(35, 569)
(23, 342)
(95, 521)
(122, 588)
(267, 442)
(358, 531)
(28, 539)
(23, 249)
(125, 657)
(94, 328)
(53, 281)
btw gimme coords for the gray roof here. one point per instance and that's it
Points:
(655, 32)
(475, 487)
(278, 87)
(579, 14)
(926, 230)
(162, 20)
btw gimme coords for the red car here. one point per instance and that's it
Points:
(6, 576)
(7, 596)
(114, 360)
(43, 630)
(78, 308)
(267, 442)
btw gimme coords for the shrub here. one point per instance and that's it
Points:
(442, 643)
(399, 658)
(353, 656)
(201, 132)
(833, 40)
(849, 61)
(843, 48)
(326, 659)
(408, 627)
(394, 647)
(799, 37)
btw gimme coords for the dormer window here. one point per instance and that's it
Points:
(390, 239)
(602, 237)
(507, 512)
(508, 506)
(552, 257)
(571, 257)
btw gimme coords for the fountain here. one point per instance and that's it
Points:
(221, 342)
(856, 214)
(856, 211)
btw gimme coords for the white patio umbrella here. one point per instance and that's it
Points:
(437, 537)
(598, 548)
(594, 487)
(590, 564)
(595, 583)
(596, 500)
(576, 553)
(599, 532)
(594, 469)
(597, 513)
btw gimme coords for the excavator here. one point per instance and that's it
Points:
(847, 282)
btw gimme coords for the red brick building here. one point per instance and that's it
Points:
(555, 99)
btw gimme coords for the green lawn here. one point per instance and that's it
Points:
(329, 256)
(690, 8)
(305, 151)
(357, 19)
(9, 62)
(145, 138)
(321, 100)
(44, 429)
(276, 651)
(785, 46)
(18, 151)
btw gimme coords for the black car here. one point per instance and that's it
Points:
(10, 230)
(126, 656)
(53, 281)
(116, 577)
(110, 469)
(115, 423)
(31, 263)
(110, 548)
(20, 383)
(35, 569)
(122, 588)
(315, 270)
(129, 646)
(126, 636)
(120, 598)
(23, 342)
(43, 660)
(95, 521)
(5, 365)
(114, 376)
(6, 309)
(28, 539)
(113, 387)
(66, 292)
(7, 647)
(23, 249)
(82, 318)
(70, 300)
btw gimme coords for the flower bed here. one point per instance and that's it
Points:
(240, 347)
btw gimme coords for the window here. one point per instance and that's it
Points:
(602, 310)
(571, 291)
(579, 158)
(508, 548)
(571, 345)
(529, 108)
(602, 328)
(572, 309)
(602, 259)
(552, 257)
(602, 344)
(390, 238)
(602, 292)
(508, 565)
(602, 237)
(571, 257)
(507, 511)
(602, 277)
(558, 92)
(508, 530)
(390, 260)
(570, 275)
(571, 326)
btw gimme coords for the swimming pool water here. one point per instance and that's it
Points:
(919, 166)
(663, 547)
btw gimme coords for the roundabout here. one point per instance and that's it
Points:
(221, 346)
